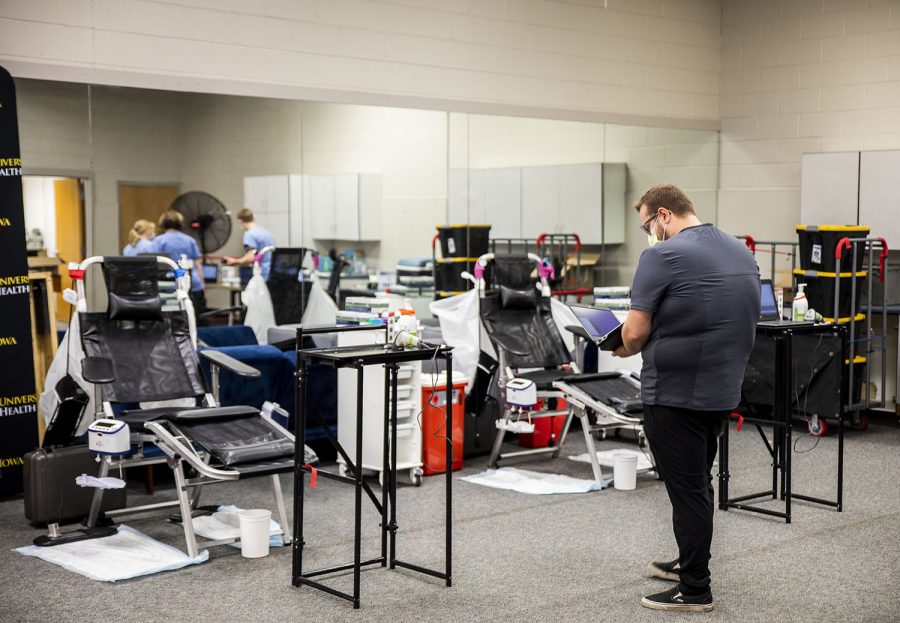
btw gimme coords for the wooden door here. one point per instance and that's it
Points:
(70, 241)
(142, 201)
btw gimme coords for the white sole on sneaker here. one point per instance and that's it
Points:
(655, 605)
(662, 574)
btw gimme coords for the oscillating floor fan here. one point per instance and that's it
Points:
(206, 218)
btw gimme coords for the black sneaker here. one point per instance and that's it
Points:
(665, 570)
(673, 600)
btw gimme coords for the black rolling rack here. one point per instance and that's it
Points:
(780, 448)
(359, 357)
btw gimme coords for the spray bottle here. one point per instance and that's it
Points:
(405, 327)
(800, 305)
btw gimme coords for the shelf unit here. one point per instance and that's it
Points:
(409, 407)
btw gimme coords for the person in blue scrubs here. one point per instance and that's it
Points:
(256, 239)
(175, 243)
(140, 238)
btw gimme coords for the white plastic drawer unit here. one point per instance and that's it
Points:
(404, 392)
(405, 372)
(405, 411)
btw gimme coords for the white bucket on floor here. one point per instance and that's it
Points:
(625, 471)
(255, 532)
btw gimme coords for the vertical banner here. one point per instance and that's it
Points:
(18, 403)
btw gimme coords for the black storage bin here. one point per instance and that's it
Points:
(464, 240)
(818, 242)
(448, 274)
(820, 292)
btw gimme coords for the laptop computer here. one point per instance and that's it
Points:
(769, 314)
(599, 325)
(768, 304)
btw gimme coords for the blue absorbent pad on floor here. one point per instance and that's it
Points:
(125, 555)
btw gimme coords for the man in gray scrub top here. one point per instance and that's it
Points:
(694, 307)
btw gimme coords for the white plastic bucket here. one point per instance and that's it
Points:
(255, 532)
(624, 471)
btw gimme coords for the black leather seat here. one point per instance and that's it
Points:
(544, 379)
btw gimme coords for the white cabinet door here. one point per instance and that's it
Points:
(879, 182)
(502, 203)
(581, 201)
(296, 208)
(540, 201)
(319, 196)
(255, 193)
(277, 194)
(615, 179)
(346, 207)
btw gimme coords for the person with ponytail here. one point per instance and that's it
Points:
(140, 238)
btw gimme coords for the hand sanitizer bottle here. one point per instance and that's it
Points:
(800, 304)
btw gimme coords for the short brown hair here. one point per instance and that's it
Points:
(666, 196)
(171, 219)
(245, 215)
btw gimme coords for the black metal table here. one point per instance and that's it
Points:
(780, 448)
(359, 357)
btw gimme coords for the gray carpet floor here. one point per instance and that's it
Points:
(519, 557)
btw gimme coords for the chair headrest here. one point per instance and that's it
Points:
(510, 298)
(514, 271)
(132, 288)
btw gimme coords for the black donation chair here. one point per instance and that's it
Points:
(138, 353)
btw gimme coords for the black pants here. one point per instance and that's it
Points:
(683, 443)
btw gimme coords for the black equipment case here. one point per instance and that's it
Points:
(51, 495)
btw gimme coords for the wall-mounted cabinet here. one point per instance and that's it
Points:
(524, 202)
(276, 205)
(343, 207)
(852, 188)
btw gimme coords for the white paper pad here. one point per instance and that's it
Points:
(122, 556)
(534, 483)
(225, 523)
(607, 458)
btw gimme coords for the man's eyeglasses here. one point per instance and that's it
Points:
(645, 226)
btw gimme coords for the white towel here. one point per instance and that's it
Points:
(534, 483)
(122, 556)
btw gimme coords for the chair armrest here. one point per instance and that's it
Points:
(508, 346)
(220, 311)
(220, 359)
(98, 370)
(579, 331)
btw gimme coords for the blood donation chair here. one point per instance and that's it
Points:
(137, 352)
(532, 355)
(536, 369)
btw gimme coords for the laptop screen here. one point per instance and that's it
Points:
(768, 306)
(210, 273)
(597, 321)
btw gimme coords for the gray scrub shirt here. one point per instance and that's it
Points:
(702, 287)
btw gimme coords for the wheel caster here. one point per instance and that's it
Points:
(415, 476)
(861, 424)
(344, 471)
(817, 427)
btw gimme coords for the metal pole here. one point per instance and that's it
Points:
(843, 400)
(385, 466)
(357, 526)
(787, 384)
(393, 473)
(299, 444)
(449, 466)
